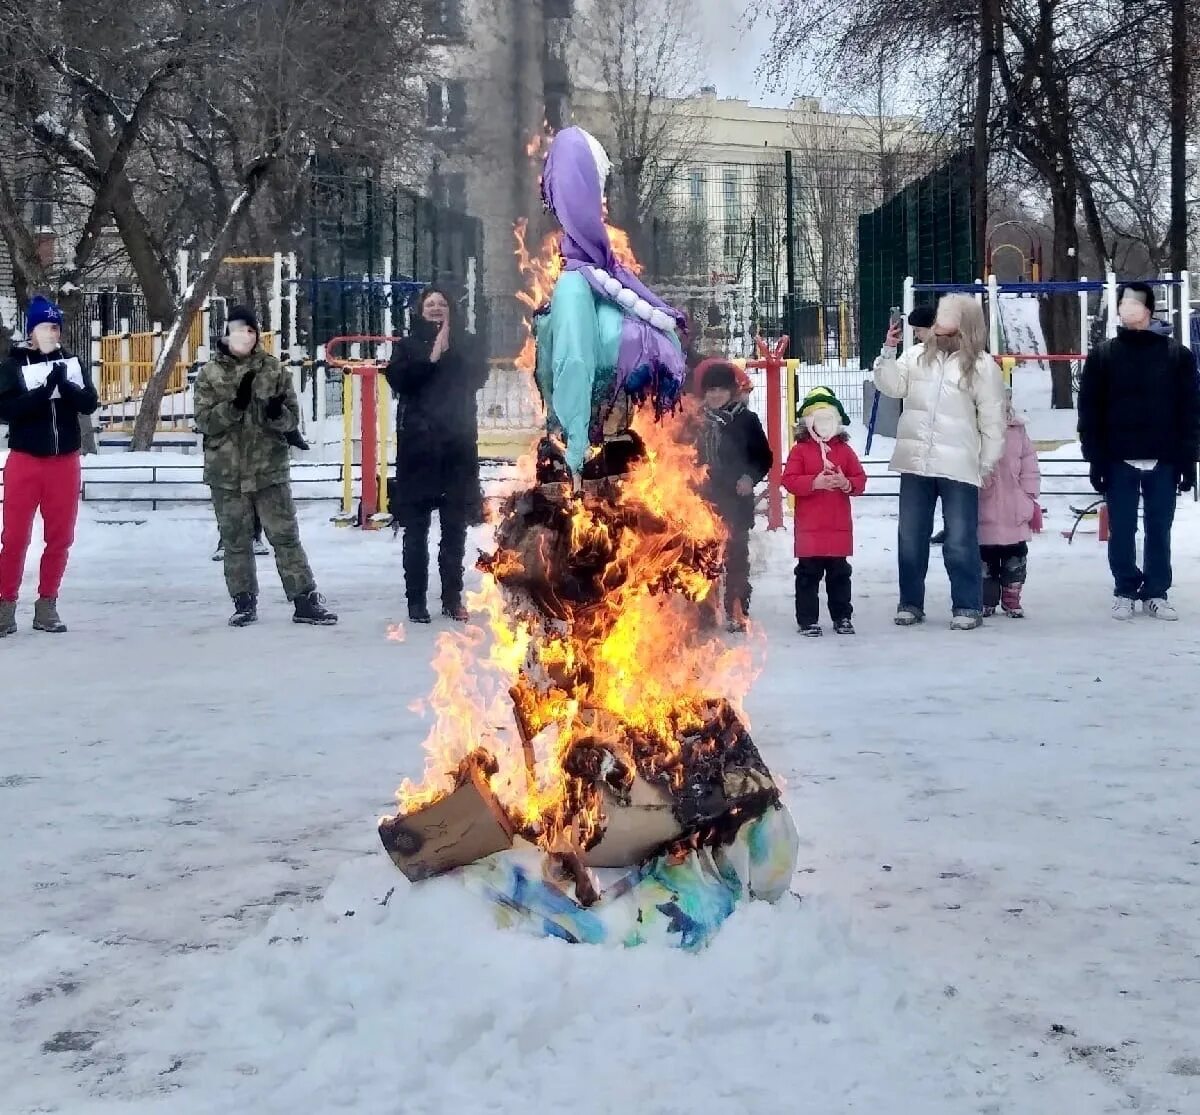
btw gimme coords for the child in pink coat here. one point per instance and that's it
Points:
(1007, 507)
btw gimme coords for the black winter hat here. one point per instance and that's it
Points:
(923, 317)
(1143, 292)
(717, 376)
(242, 314)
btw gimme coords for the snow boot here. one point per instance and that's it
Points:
(1010, 601)
(843, 627)
(310, 609)
(454, 610)
(245, 610)
(8, 618)
(45, 617)
(418, 613)
(812, 631)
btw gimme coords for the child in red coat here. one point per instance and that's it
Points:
(823, 472)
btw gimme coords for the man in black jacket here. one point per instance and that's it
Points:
(735, 448)
(43, 391)
(1139, 423)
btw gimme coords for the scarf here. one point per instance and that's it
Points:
(716, 422)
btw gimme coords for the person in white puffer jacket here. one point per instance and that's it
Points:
(950, 437)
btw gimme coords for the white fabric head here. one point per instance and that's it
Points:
(603, 162)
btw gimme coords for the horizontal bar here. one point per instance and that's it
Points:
(1025, 356)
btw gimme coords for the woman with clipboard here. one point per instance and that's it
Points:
(43, 391)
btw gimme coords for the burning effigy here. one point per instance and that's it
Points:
(590, 769)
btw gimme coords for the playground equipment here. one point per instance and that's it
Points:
(1177, 304)
(365, 392)
(772, 359)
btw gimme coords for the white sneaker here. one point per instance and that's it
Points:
(1159, 608)
(1122, 608)
(261, 549)
(966, 623)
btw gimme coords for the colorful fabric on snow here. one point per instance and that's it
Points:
(681, 905)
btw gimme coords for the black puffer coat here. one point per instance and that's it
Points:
(437, 424)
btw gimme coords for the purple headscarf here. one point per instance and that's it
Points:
(573, 191)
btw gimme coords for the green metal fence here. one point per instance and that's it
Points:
(925, 231)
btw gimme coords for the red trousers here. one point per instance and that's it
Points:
(48, 484)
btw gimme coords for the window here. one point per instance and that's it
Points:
(41, 203)
(696, 188)
(446, 104)
(450, 191)
(443, 19)
(731, 203)
(558, 111)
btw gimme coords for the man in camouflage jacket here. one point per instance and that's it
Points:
(245, 407)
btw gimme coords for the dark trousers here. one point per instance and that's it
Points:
(1156, 491)
(960, 551)
(451, 550)
(836, 572)
(1002, 566)
(737, 569)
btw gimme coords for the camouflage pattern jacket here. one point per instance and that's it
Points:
(244, 450)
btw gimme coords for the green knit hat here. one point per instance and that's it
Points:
(822, 397)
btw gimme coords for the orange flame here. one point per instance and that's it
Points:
(620, 681)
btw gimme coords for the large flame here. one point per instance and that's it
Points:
(636, 673)
(616, 681)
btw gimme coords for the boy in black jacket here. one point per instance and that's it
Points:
(43, 391)
(735, 448)
(1139, 422)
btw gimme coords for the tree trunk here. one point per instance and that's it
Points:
(1060, 312)
(988, 23)
(192, 302)
(1179, 121)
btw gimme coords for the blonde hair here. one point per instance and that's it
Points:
(963, 312)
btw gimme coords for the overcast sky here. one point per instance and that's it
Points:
(735, 55)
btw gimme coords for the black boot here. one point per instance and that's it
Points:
(245, 610)
(418, 613)
(453, 609)
(310, 609)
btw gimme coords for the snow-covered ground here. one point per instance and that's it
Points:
(995, 910)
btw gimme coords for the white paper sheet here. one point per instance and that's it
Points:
(35, 375)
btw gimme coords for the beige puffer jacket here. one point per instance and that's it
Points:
(948, 429)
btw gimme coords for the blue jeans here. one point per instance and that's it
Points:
(960, 551)
(1156, 489)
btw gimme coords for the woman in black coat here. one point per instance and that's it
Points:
(435, 373)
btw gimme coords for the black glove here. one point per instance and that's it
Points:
(58, 376)
(296, 440)
(242, 399)
(275, 406)
(1099, 478)
(1187, 478)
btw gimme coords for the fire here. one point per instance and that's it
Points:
(626, 677)
(591, 662)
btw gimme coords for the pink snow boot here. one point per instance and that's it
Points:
(1010, 601)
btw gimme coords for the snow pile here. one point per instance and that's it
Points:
(998, 869)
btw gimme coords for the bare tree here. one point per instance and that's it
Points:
(292, 78)
(644, 55)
